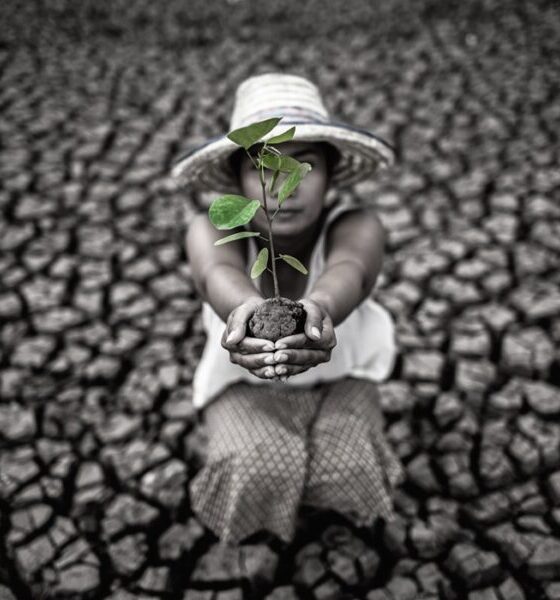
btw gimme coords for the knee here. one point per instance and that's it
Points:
(271, 465)
(342, 462)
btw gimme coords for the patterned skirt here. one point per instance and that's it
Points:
(272, 449)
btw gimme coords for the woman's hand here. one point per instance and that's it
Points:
(298, 353)
(254, 354)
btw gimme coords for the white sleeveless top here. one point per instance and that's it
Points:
(365, 345)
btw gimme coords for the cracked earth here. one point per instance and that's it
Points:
(100, 321)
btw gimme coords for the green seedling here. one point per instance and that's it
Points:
(232, 210)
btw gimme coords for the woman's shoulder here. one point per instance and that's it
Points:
(351, 220)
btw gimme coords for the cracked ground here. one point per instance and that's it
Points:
(100, 321)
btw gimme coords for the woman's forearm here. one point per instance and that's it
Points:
(226, 287)
(340, 289)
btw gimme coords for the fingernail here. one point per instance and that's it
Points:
(268, 348)
(284, 378)
(280, 346)
(269, 372)
(281, 357)
(269, 360)
(230, 337)
(281, 370)
(315, 332)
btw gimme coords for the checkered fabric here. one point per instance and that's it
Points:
(271, 449)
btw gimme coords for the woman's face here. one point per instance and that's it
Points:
(301, 211)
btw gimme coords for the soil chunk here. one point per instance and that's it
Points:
(276, 318)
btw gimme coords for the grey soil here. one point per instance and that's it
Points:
(276, 318)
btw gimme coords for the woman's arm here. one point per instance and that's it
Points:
(220, 279)
(218, 271)
(354, 250)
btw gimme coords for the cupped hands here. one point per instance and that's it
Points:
(299, 352)
(287, 356)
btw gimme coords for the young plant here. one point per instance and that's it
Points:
(232, 210)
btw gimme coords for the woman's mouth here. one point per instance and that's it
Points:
(287, 212)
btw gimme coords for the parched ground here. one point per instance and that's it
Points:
(100, 323)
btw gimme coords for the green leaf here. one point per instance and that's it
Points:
(273, 150)
(270, 161)
(231, 211)
(273, 182)
(286, 164)
(283, 137)
(247, 136)
(293, 262)
(289, 164)
(292, 181)
(260, 263)
(236, 236)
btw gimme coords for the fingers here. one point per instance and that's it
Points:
(248, 345)
(237, 322)
(252, 361)
(264, 373)
(251, 345)
(314, 320)
(301, 357)
(298, 340)
(329, 334)
(285, 371)
(290, 362)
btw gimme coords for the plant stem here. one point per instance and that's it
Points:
(269, 222)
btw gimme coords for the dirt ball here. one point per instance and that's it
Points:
(276, 318)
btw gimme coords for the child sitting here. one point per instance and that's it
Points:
(295, 422)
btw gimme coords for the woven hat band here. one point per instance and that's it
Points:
(275, 95)
(289, 114)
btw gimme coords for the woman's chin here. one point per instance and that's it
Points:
(285, 228)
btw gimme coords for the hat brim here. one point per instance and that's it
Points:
(361, 155)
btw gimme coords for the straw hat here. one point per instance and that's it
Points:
(298, 101)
